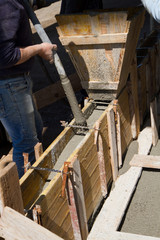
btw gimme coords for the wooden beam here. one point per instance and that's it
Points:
(113, 143)
(10, 193)
(99, 85)
(38, 149)
(15, 226)
(145, 161)
(79, 196)
(110, 235)
(92, 39)
(101, 159)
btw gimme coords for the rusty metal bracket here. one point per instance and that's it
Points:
(66, 124)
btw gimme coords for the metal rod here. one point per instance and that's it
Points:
(78, 115)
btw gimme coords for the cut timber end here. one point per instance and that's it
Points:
(10, 193)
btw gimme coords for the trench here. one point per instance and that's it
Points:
(75, 141)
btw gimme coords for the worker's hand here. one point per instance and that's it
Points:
(46, 51)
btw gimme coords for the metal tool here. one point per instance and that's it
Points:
(78, 115)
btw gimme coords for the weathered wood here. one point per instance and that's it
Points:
(38, 149)
(10, 193)
(113, 143)
(92, 39)
(142, 89)
(107, 235)
(79, 198)
(133, 99)
(15, 226)
(115, 206)
(48, 159)
(101, 160)
(73, 209)
(100, 55)
(99, 85)
(145, 161)
(130, 48)
(125, 122)
(154, 122)
(118, 132)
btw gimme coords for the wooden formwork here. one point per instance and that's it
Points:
(148, 76)
(98, 154)
(102, 46)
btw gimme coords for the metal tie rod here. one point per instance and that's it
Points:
(78, 115)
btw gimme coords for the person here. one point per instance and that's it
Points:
(18, 113)
(153, 7)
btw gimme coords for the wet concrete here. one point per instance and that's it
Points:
(143, 216)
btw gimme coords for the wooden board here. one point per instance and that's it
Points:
(145, 161)
(123, 109)
(10, 193)
(142, 88)
(122, 236)
(15, 226)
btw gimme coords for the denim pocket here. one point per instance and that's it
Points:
(18, 86)
(2, 108)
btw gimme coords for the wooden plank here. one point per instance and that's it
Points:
(145, 161)
(73, 209)
(55, 92)
(38, 149)
(130, 48)
(115, 206)
(154, 122)
(125, 122)
(92, 39)
(118, 132)
(135, 119)
(15, 226)
(79, 193)
(99, 85)
(10, 193)
(101, 160)
(122, 236)
(142, 88)
(113, 143)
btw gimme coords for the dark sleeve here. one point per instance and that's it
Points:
(9, 24)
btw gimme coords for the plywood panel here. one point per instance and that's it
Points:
(125, 122)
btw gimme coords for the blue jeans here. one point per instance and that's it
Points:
(20, 118)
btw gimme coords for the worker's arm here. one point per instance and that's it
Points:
(44, 50)
(153, 7)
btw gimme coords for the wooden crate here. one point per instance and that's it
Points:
(101, 46)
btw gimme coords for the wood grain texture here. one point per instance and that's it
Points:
(10, 192)
(15, 226)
